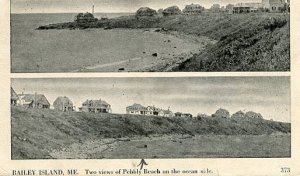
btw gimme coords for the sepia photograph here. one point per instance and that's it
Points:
(149, 87)
(149, 35)
(149, 117)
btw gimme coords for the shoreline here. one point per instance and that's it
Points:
(150, 147)
(162, 62)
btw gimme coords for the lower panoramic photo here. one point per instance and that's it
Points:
(147, 117)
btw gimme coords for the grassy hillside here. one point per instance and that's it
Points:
(262, 46)
(35, 133)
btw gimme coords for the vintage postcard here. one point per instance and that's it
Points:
(149, 87)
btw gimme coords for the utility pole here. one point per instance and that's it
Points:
(93, 10)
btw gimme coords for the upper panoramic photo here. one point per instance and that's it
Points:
(149, 35)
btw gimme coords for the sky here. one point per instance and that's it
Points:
(269, 96)
(105, 6)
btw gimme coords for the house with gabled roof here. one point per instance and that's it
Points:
(136, 109)
(152, 110)
(145, 12)
(149, 110)
(33, 101)
(13, 97)
(275, 5)
(95, 106)
(63, 104)
(85, 18)
(173, 10)
(193, 9)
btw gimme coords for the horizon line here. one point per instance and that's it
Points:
(63, 12)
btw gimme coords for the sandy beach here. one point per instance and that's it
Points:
(170, 50)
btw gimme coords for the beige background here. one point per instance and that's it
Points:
(245, 166)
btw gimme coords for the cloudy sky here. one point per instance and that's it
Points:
(104, 6)
(269, 96)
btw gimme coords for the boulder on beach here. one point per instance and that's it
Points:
(221, 113)
(141, 146)
(154, 54)
(145, 11)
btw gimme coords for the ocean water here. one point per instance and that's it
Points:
(68, 50)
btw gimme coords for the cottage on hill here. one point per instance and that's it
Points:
(173, 10)
(247, 7)
(136, 109)
(239, 114)
(63, 104)
(145, 12)
(85, 18)
(149, 110)
(13, 97)
(276, 5)
(160, 11)
(152, 110)
(229, 8)
(33, 101)
(241, 9)
(95, 106)
(221, 113)
(193, 9)
(251, 114)
(215, 8)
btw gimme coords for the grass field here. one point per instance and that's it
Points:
(41, 134)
